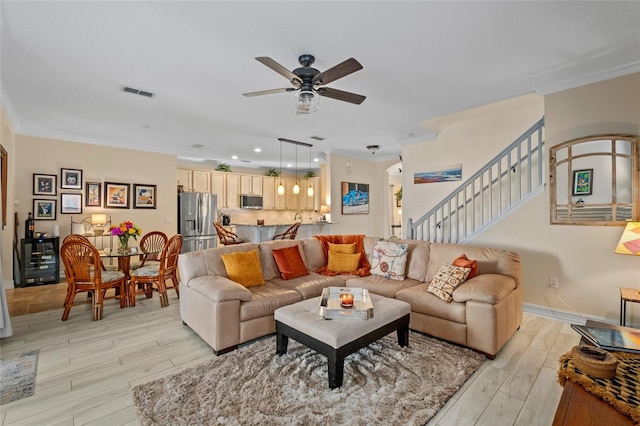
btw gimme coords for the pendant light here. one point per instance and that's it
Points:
(310, 189)
(281, 186)
(296, 187)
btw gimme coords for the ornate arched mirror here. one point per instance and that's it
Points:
(594, 180)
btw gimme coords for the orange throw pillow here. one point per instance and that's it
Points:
(466, 263)
(290, 263)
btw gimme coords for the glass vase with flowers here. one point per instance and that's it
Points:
(124, 231)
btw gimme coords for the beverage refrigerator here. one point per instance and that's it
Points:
(196, 214)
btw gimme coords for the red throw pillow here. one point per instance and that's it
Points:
(466, 263)
(290, 263)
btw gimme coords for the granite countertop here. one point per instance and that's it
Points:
(281, 224)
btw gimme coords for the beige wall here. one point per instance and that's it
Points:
(99, 164)
(581, 257)
(7, 140)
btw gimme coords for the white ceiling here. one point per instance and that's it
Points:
(64, 65)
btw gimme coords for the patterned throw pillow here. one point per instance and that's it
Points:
(446, 280)
(244, 268)
(389, 260)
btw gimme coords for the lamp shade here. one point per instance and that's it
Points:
(325, 209)
(630, 240)
(98, 219)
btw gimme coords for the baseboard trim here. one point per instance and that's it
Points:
(565, 316)
(8, 284)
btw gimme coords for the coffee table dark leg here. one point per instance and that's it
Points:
(403, 336)
(282, 342)
(336, 373)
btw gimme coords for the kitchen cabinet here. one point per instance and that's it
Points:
(184, 178)
(268, 193)
(233, 191)
(219, 187)
(201, 181)
(291, 200)
(310, 202)
(251, 185)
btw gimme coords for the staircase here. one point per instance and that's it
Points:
(509, 180)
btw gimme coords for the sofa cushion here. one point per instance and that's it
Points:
(380, 285)
(244, 268)
(313, 253)
(311, 285)
(266, 299)
(343, 262)
(425, 303)
(487, 288)
(290, 263)
(219, 289)
(342, 248)
(389, 260)
(465, 262)
(447, 279)
(214, 263)
(269, 267)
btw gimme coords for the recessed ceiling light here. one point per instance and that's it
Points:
(257, 150)
(234, 157)
(315, 160)
(289, 165)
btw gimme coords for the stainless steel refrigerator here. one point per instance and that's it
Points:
(196, 213)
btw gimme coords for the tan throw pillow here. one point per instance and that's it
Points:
(290, 263)
(446, 280)
(389, 260)
(342, 248)
(244, 268)
(343, 262)
(463, 261)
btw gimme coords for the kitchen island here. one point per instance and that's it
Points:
(259, 233)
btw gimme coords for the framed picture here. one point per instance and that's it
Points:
(582, 182)
(44, 184)
(93, 194)
(355, 198)
(450, 173)
(44, 209)
(70, 179)
(70, 203)
(144, 196)
(116, 195)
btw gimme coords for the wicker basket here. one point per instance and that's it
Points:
(594, 361)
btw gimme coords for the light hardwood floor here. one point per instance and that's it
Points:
(87, 368)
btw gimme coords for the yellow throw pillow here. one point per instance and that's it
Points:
(244, 268)
(343, 262)
(342, 248)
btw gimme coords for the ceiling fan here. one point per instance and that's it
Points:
(308, 81)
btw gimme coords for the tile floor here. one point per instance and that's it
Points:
(87, 368)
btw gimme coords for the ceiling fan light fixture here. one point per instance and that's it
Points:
(307, 102)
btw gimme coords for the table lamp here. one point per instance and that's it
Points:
(629, 240)
(98, 220)
(324, 210)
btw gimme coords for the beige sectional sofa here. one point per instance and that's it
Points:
(485, 312)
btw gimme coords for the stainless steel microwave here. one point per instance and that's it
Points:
(251, 202)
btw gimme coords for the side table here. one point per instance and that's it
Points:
(627, 295)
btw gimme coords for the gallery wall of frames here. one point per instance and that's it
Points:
(67, 193)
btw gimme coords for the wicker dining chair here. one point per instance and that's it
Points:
(151, 246)
(289, 234)
(142, 279)
(82, 268)
(226, 237)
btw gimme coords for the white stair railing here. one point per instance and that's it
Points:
(511, 178)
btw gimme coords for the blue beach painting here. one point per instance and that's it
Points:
(439, 174)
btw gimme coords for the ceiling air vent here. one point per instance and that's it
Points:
(138, 92)
(318, 138)
(246, 161)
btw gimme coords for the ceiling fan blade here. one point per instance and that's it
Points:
(342, 69)
(341, 95)
(268, 92)
(294, 79)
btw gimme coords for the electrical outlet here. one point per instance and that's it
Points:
(553, 282)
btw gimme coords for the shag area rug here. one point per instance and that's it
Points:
(18, 376)
(383, 384)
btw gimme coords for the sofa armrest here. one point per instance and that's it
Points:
(219, 288)
(487, 288)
